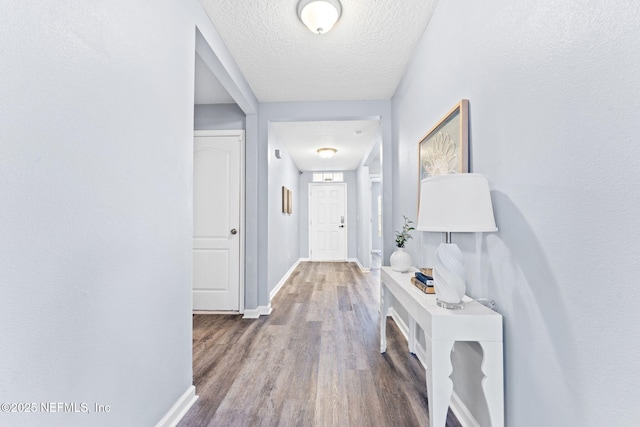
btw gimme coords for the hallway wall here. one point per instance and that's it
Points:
(554, 93)
(363, 216)
(284, 230)
(96, 159)
(218, 117)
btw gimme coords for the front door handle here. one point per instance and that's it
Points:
(234, 231)
(341, 226)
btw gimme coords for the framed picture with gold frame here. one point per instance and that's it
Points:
(287, 200)
(445, 148)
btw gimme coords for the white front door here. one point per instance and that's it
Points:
(327, 222)
(216, 220)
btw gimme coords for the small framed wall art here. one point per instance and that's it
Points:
(287, 200)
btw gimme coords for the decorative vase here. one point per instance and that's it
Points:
(400, 261)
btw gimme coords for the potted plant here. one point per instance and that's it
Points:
(400, 260)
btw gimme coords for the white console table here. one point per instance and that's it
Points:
(441, 329)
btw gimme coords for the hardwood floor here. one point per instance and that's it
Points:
(314, 361)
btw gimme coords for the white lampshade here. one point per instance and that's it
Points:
(319, 15)
(456, 203)
(452, 204)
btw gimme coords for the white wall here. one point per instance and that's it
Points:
(554, 92)
(284, 233)
(96, 108)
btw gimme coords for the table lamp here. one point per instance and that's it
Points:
(455, 203)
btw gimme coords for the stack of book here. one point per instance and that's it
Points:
(423, 281)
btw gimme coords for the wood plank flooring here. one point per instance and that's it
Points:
(314, 361)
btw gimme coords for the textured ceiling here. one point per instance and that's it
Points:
(352, 139)
(362, 58)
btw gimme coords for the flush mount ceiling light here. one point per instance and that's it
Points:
(319, 15)
(326, 152)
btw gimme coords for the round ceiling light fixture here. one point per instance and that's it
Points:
(319, 15)
(326, 153)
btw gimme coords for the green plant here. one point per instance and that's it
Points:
(404, 235)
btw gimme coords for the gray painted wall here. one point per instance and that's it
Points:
(284, 233)
(376, 241)
(96, 207)
(218, 117)
(352, 203)
(363, 219)
(554, 100)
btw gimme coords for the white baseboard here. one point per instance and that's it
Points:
(265, 310)
(251, 313)
(457, 405)
(462, 412)
(357, 261)
(282, 281)
(254, 313)
(232, 313)
(401, 325)
(179, 409)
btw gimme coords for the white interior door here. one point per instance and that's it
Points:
(327, 222)
(216, 221)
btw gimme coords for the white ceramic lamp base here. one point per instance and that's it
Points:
(448, 275)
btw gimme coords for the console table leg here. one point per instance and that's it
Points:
(385, 301)
(439, 385)
(492, 383)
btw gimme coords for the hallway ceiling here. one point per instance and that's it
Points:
(301, 140)
(362, 58)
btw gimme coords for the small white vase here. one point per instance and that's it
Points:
(400, 260)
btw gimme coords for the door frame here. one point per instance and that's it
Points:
(240, 133)
(346, 216)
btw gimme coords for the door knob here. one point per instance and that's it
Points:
(341, 226)
(234, 231)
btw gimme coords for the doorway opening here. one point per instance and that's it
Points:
(218, 223)
(328, 222)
